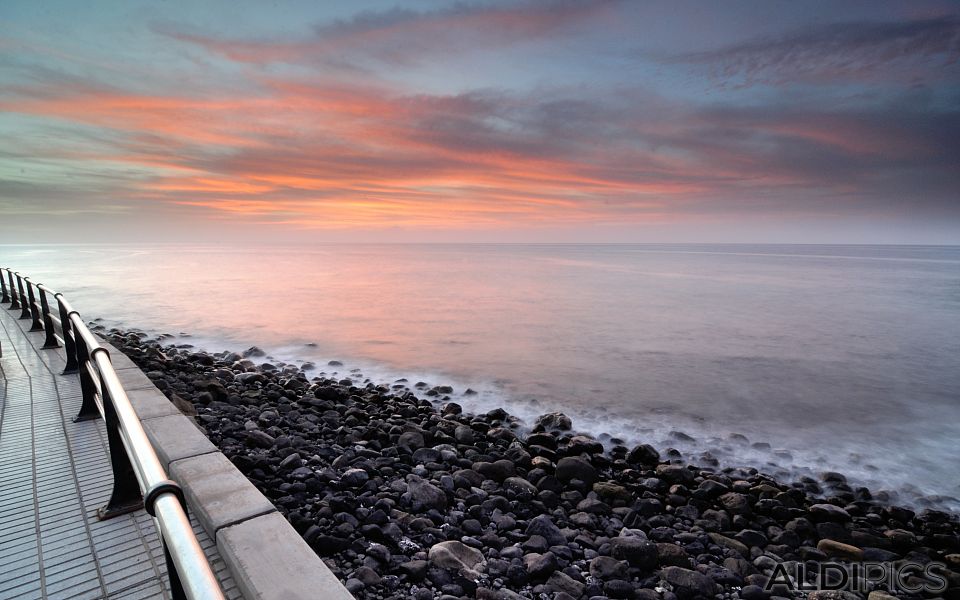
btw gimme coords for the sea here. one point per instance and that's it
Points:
(826, 358)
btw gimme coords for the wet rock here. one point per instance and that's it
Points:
(519, 486)
(367, 576)
(828, 512)
(750, 537)
(688, 584)
(611, 491)
(354, 477)
(637, 551)
(753, 592)
(452, 555)
(619, 588)
(259, 439)
(644, 454)
(411, 440)
(560, 582)
(354, 586)
(451, 408)
(574, 467)
(675, 474)
(421, 495)
(426, 455)
(540, 566)
(737, 504)
(837, 549)
(415, 570)
(833, 595)
(544, 527)
(670, 554)
(553, 421)
(184, 406)
(498, 470)
(726, 542)
(607, 567)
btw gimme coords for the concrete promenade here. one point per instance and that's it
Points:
(54, 475)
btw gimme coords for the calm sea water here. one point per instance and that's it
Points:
(840, 357)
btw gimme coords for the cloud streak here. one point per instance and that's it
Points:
(402, 36)
(840, 52)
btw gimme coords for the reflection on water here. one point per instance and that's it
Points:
(847, 356)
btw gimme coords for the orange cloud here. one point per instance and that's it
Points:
(335, 155)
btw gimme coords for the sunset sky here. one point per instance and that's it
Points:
(593, 121)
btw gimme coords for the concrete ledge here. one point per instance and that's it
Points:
(149, 403)
(175, 437)
(270, 561)
(118, 358)
(134, 379)
(218, 492)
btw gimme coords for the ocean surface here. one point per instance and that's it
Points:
(841, 358)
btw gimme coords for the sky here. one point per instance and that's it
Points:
(548, 121)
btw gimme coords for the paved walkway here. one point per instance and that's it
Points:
(54, 474)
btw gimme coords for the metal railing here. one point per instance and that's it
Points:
(139, 479)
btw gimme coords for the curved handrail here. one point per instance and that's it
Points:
(139, 477)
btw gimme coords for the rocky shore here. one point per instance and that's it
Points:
(406, 495)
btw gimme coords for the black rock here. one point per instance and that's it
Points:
(618, 588)
(637, 551)
(554, 421)
(644, 454)
(415, 570)
(607, 567)
(574, 467)
(354, 477)
(688, 584)
(540, 566)
(544, 527)
(259, 439)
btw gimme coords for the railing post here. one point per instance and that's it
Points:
(88, 409)
(51, 341)
(24, 305)
(69, 339)
(34, 309)
(14, 301)
(126, 496)
(3, 288)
